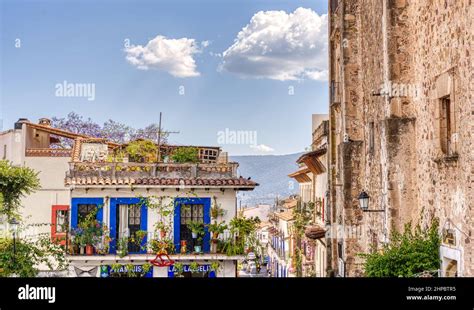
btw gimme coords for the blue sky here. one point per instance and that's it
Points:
(83, 42)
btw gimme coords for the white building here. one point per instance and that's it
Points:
(261, 211)
(312, 178)
(280, 245)
(80, 180)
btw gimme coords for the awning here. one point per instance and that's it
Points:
(301, 175)
(64, 133)
(311, 160)
(315, 232)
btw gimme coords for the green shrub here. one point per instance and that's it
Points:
(409, 253)
(142, 151)
(185, 155)
(29, 255)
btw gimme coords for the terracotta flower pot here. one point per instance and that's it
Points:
(183, 247)
(89, 250)
(214, 246)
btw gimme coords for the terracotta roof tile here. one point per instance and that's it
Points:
(234, 182)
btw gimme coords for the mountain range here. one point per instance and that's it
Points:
(271, 172)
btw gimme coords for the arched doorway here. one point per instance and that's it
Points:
(451, 269)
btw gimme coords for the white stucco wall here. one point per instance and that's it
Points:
(13, 142)
(37, 207)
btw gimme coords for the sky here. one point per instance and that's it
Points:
(245, 75)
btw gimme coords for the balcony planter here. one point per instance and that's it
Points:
(89, 249)
(197, 248)
(82, 250)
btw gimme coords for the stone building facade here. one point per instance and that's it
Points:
(401, 126)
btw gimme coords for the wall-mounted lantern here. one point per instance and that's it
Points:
(364, 202)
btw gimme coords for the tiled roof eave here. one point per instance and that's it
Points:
(71, 186)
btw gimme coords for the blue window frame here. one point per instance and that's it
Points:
(206, 202)
(114, 203)
(75, 202)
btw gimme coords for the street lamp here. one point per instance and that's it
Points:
(14, 226)
(364, 202)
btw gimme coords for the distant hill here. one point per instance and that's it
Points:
(271, 172)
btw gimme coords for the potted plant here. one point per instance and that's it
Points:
(122, 246)
(91, 231)
(115, 270)
(197, 231)
(164, 246)
(138, 238)
(215, 266)
(216, 210)
(215, 229)
(198, 245)
(162, 228)
(194, 267)
(183, 246)
(197, 228)
(76, 241)
(178, 269)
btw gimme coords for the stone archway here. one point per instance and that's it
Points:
(451, 269)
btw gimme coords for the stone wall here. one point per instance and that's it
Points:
(398, 58)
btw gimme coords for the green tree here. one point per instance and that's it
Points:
(185, 155)
(408, 253)
(15, 183)
(142, 151)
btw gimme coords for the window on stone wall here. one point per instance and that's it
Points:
(445, 125)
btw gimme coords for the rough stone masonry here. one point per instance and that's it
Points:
(402, 119)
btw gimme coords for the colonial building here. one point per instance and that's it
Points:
(127, 200)
(281, 244)
(312, 179)
(401, 126)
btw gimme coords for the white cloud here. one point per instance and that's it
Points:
(262, 148)
(174, 56)
(280, 46)
(318, 75)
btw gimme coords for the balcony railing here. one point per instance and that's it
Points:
(144, 170)
(321, 131)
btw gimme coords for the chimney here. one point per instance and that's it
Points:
(19, 123)
(45, 121)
